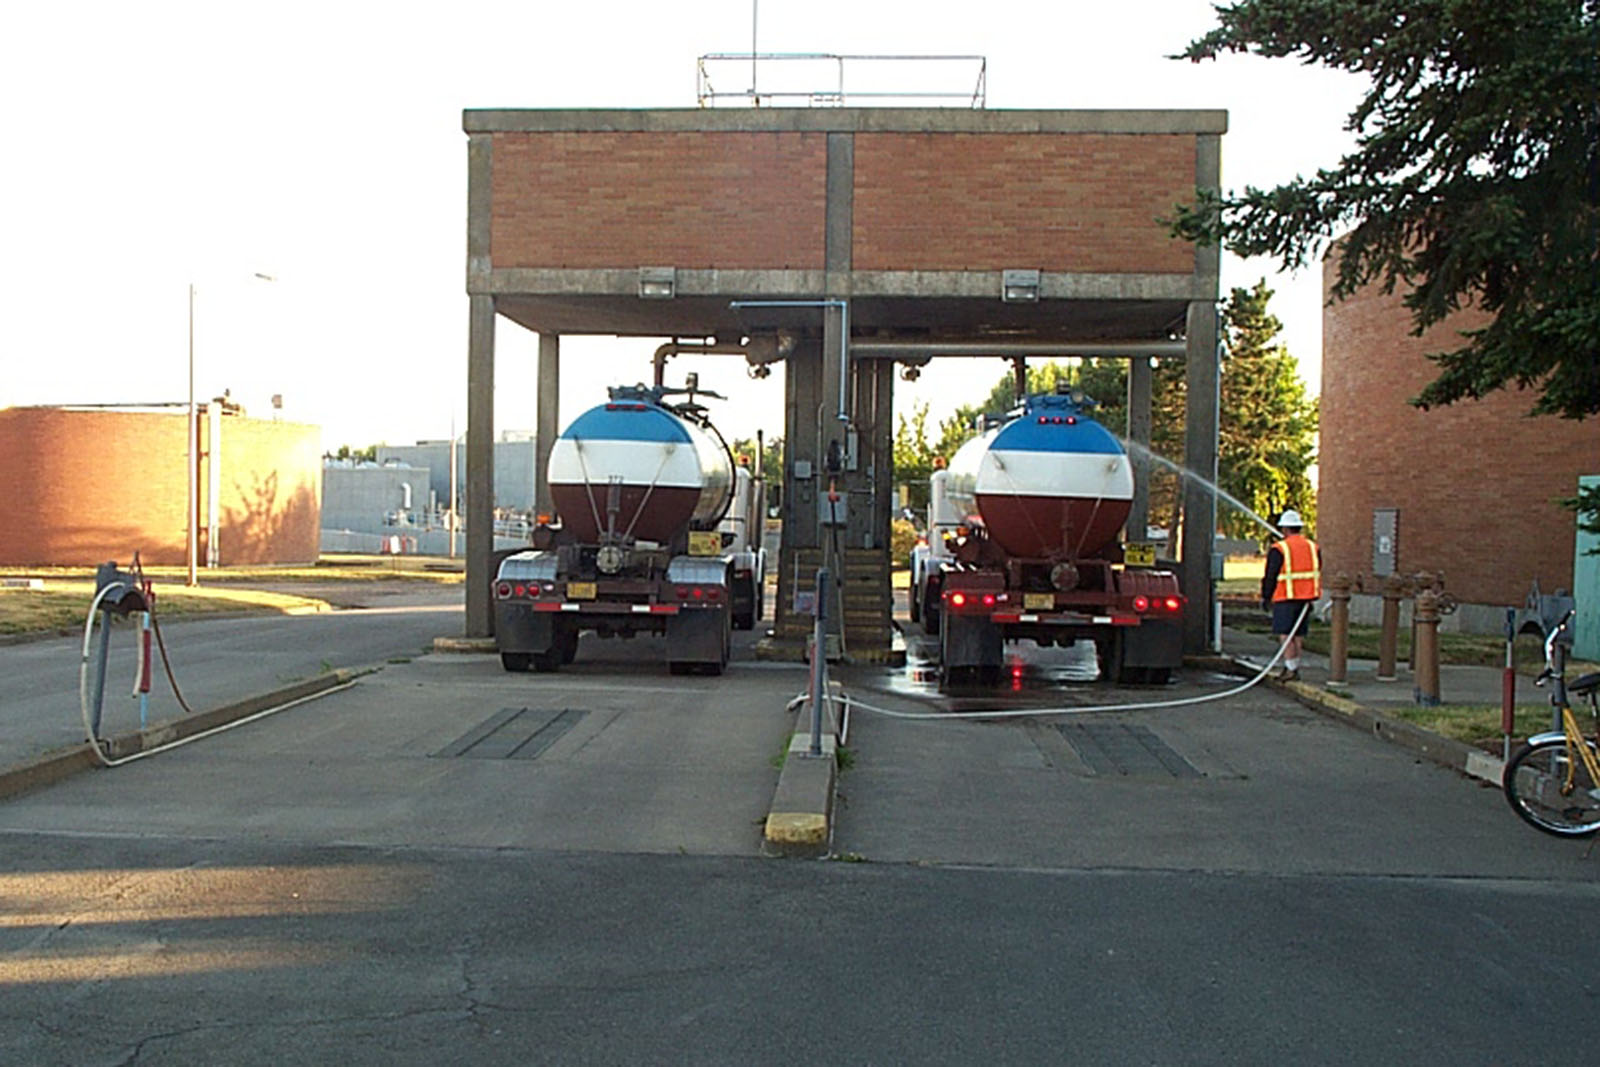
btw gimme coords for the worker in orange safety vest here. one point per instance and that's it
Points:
(1291, 585)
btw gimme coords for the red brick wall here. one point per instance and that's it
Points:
(1474, 482)
(1059, 202)
(83, 487)
(694, 200)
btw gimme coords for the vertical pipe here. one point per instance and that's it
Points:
(213, 480)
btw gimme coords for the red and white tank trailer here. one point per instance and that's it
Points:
(640, 485)
(1022, 545)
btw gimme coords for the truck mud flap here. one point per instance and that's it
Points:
(969, 642)
(698, 638)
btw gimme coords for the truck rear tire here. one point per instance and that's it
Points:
(515, 661)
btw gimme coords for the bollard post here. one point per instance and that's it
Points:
(1338, 628)
(1393, 589)
(819, 663)
(1426, 691)
(1422, 580)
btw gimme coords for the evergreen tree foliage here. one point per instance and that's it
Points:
(1475, 179)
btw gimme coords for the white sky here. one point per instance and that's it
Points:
(159, 144)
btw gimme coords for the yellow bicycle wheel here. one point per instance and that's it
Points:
(1549, 785)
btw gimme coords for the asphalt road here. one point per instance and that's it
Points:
(1239, 882)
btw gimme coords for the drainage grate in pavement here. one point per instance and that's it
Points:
(514, 733)
(1128, 750)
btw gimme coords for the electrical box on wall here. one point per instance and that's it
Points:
(833, 512)
(1385, 541)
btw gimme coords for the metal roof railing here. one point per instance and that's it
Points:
(819, 79)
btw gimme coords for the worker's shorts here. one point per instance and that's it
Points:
(1285, 612)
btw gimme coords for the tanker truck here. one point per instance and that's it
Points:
(640, 484)
(1022, 544)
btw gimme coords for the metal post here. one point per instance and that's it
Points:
(1508, 687)
(819, 661)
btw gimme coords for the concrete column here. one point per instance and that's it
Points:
(803, 394)
(480, 465)
(1202, 380)
(1139, 434)
(548, 423)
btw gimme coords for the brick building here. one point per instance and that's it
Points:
(84, 485)
(1473, 486)
(834, 243)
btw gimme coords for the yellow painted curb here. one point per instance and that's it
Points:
(797, 828)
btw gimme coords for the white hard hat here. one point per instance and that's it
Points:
(1290, 518)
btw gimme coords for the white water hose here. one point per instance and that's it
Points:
(83, 698)
(850, 702)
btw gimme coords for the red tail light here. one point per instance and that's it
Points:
(988, 600)
(521, 590)
(1141, 604)
(1172, 604)
(503, 590)
(958, 600)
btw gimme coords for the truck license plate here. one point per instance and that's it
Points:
(1038, 601)
(580, 590)
(1139, 555)
(704, 542)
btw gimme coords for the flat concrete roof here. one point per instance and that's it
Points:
(845, 120)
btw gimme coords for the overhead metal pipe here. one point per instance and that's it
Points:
(676, 347)
(900, 349)
(844, 337)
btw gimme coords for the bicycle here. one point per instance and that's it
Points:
(1553, 780)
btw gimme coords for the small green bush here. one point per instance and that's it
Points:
(902, 539)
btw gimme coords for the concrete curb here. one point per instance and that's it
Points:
(800, 822)
(1444, 751)
(473, 645)
(62, 763)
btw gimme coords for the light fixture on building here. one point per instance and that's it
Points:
(657, 283)
(1019, 286)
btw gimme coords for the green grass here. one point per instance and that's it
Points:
(1476, 724)
(67, 592)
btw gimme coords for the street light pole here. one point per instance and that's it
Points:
(193, 456)
(191, 521)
